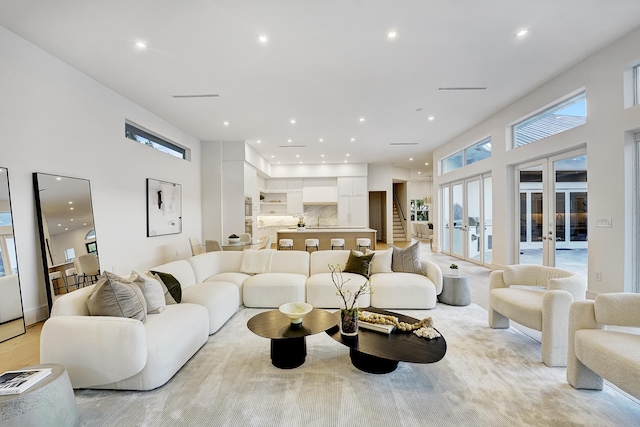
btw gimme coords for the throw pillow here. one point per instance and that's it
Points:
(172, 289)
(407, 260)
(358, 264)
(118, 297)
(151, 290)
(382, 264)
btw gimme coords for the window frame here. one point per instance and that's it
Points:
(463, 154)
(174, 149)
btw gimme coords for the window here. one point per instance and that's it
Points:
(90, 235)
(636, 85)
(69, 254)
(153, 141)
(477, 152)
(419, 210)
(92, 248)
(470, 155)
(559, 118)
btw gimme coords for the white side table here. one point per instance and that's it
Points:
(455, 290)
(50, 402)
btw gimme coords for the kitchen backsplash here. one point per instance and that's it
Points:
(314, 216)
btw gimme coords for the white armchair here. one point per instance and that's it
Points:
(539, 298)
(596, 352)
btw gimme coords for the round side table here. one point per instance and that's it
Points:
(50, 402)
(455, 290)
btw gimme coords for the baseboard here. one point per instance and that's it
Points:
(36, 315)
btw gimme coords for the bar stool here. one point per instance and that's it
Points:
(310, 243)
(56, 276)
(337, 243)
(363, 243)
(71, 272)
(285, 244)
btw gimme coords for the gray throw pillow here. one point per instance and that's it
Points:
(151, 290)
(116, 296)
(407, 260)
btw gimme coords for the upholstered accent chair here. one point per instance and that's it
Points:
(539, 298)
(602, 343)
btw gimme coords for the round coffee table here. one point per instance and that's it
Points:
(288, 345)
(379, 353)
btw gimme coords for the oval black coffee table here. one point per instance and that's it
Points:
(288, 345)
(379, 353)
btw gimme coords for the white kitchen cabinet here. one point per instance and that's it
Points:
(294, 184)
(276, 185)
(294, 203)
(352, 186)
(320, 191)
(353, 211)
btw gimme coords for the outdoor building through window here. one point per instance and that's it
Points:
(561, 117)
(470, 155)
(153, 141)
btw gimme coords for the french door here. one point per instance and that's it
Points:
(466, 215)
(552, 212)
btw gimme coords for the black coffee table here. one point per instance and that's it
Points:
(288, 345)
(379, 353)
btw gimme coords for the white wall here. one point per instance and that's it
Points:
(610, 164)
(54, 119)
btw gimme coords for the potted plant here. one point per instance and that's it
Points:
(453, 269)
(301, 223)
(349, 312)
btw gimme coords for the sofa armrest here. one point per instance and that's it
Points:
(575, 285)
(433, 272)
(496, 280)
(95, 350)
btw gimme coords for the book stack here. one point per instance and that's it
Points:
(15, 382)
(378, 327)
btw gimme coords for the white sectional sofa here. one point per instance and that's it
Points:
(123, 353)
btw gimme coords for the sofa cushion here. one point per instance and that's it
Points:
(116, 296)
(256, 261)
(382, 261)
(402, 290)
(407, 260)
(321, 292)
(359, 264)
(151, 290)
(209, 264)
(182, 270)
(273, 289)
(320, 260)
(221, 300)
(170, 285)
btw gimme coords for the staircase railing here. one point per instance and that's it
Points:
(395, 195)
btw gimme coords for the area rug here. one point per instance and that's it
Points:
(487, 378)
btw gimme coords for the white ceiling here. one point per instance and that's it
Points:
(327, 63)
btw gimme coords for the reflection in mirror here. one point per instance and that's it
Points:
(65, 217)
(11, 314)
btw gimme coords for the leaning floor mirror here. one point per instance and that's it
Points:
(67, 233)
(11, 311)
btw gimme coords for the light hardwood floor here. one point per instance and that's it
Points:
(24, 350)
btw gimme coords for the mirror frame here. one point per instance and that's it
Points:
(43, 241)
(15, 245)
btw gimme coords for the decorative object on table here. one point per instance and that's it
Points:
(349, 314)
(295, 311)
(15, 382)
(301, 223)
(234, 238)
(164, 208)
(453, 269)
(423, 328)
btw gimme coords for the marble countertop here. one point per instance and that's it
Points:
(328, 230)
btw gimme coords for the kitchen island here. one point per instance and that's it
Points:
(325, 234)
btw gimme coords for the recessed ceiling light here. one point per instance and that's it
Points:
(353, 139)
(58, 179)
(71, 208)
(345, 161)
(419, 172)
(71, 203)
(293, 121)
(226, 123)
(84, 223)
(272, 156)
(278, 162)
(411, 159)
(300, 162)
(66, 229)
(392, 34)
(141, 45)
(323, 161)
(522, 33)
(59, 225)
(321, 140)
(262, 39)
(426, 164)
(71, 219)
(288, 140)
(297, 155)
(258, 141)
(347, 154)
(321, 155)
(361, 119)
(431, 118)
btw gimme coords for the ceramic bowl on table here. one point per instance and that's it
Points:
(234, 239)
(295, 311)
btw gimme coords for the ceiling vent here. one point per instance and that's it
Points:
(463, 88)
(204, 95)
(403, 143)
(292, 146)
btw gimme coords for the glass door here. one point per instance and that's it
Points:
(552, 212)
(459, 227)
(446, 227)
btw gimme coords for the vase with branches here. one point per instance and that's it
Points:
(349, 311)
